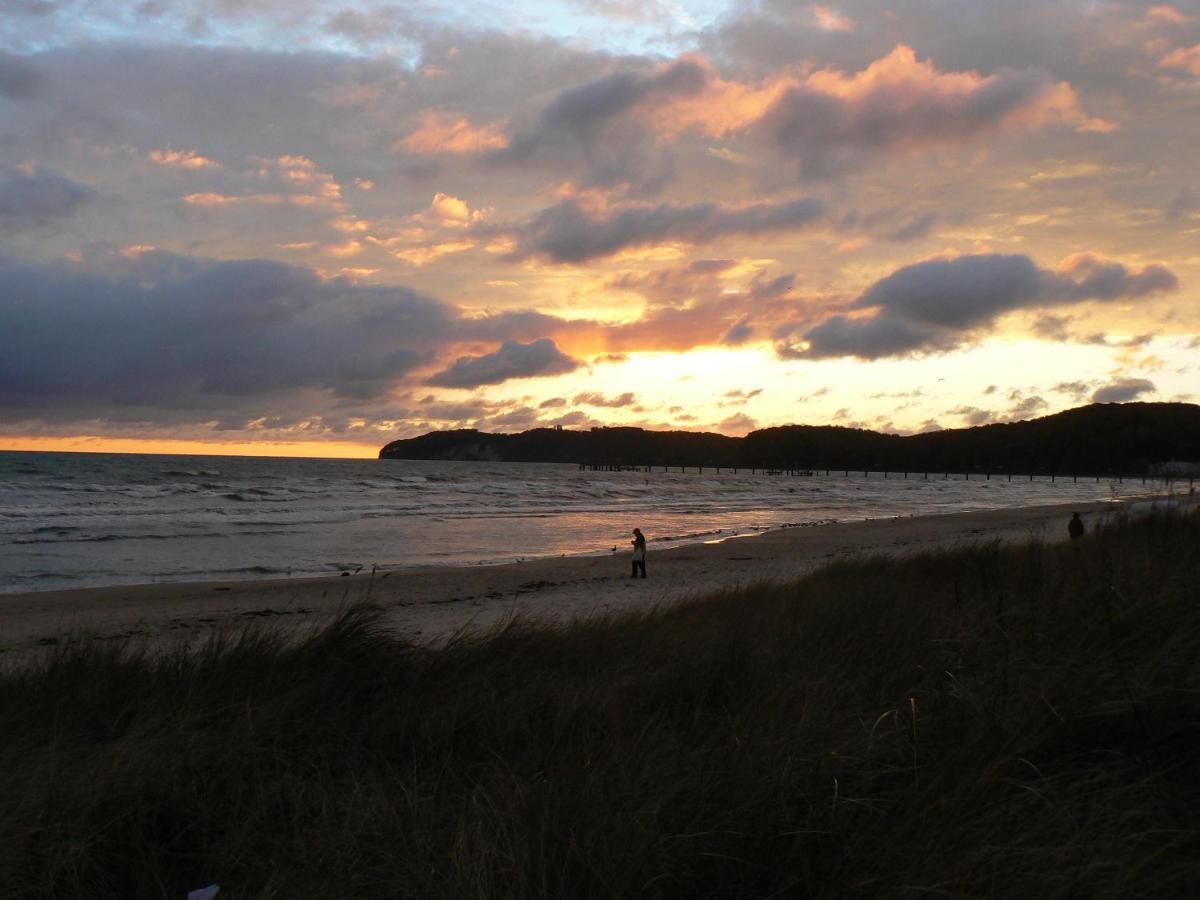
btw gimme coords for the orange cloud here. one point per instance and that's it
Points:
(896, 101)
(721, 109)
(422, 256)
(831, 20)
(912, 84)
(209, 199)
(182, 159)
(450, 212)
(300, 179)
(1166, 14)
(349, 248)
(1185, 59)
(444, 134)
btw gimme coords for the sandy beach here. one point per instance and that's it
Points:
(431, 604)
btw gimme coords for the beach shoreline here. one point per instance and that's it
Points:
(431, 604)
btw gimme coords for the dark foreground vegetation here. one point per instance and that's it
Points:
(1000, 721)
(1100, 439)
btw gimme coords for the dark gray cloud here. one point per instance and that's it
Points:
(1088, 277)
(19, 78)
(825, 133)
(870, 338)
(1025, 407)
(512, 360)
(739, 332)
(567, 233)
(184, 337)
(1022, 408)
(587, 129)
(973, 415)
(1183, 203)
(956, 293)
(1077, 390)
(30, 198)
(578, 112)
(1123, 390)
(122, 96)
(934, 305)
(894, 224)
(1050, 327)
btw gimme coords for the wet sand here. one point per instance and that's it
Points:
(430, 605)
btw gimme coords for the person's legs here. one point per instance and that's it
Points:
(633, 572)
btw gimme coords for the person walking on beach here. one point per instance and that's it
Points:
(639, 553)
(1075, 527)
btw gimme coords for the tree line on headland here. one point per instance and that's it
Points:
(1100, 439)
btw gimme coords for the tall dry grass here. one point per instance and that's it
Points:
(1000, 721)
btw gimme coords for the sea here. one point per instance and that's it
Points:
(88, 519)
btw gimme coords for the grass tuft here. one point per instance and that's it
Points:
(992, 721)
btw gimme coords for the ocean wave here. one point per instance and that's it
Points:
(177, 517)
(256, 495)
(57, 538)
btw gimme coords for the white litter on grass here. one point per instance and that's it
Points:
(204, 893)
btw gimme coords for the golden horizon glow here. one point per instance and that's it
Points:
(180, 447)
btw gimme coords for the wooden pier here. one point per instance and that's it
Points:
(794, 471)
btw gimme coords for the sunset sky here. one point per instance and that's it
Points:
(283, 226)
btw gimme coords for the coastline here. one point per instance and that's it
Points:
(431, 604)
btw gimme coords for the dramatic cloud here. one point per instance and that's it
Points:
(870, 338)
(512, 360)
(31, 197)
(178, 335)
(595, 132)
(609, 184)
(578, 113)
(1123, 390)
(936, 304)
(1085, 276)
(567, 233)
(824, 120)
(899, 102)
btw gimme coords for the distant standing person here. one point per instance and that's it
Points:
(639, 553)
(1075, 527)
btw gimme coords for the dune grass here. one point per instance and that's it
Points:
(1008, 721)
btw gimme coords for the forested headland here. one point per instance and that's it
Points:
(1100, 439)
